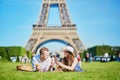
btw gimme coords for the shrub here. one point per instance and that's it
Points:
(13, 51)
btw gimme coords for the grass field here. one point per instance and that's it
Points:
(93, 71)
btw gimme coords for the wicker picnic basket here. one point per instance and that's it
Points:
(24, 67)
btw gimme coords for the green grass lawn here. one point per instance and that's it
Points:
(93, 71)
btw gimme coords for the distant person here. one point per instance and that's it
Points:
(90, 58)
(69, 62)
(42, 62)
(24, 59)
(119, 57)
(87, 57)
(106, 55)
(79, 59)
(33, 54)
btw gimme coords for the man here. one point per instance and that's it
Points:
(42, 62)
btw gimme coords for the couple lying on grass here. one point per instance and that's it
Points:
(44, 62)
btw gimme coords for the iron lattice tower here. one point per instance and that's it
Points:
(66, 32)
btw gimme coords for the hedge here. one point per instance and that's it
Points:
(13, 51)
(101, 50)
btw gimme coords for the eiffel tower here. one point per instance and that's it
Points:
(66, 32)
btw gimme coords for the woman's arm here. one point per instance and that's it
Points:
(68, 67)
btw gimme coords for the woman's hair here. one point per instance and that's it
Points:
(43, 49)
(69, 59)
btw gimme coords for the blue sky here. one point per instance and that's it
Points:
(98, 21)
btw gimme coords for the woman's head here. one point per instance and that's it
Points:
(68, 51)
(44, 53)
(68, 56)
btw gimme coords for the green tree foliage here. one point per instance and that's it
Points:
(100, 50)
(92, 50)
(13, 51)
(3, 52)
(115, 50)
(29, 54)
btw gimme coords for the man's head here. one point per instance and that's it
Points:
(44, 53)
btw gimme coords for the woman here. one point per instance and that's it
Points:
(69, 62)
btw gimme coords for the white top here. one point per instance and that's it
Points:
(44, 65)
(106, 55)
